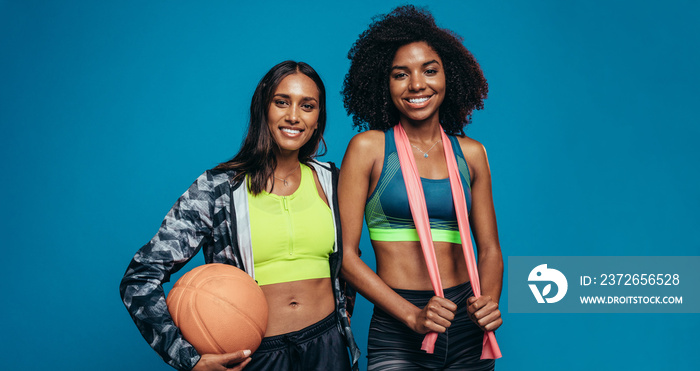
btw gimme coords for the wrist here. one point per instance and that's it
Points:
(192, 362)
(411, 318)
(491, 297)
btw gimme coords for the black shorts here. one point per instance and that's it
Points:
(320, 346)
(393, 346)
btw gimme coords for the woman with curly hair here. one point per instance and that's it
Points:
(271, 211)
(413, 175)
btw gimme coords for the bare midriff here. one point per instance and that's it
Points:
(295, 305)
(402, 265)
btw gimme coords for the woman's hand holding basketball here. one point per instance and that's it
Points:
(436, 316)
(484, 312)
(235, 361)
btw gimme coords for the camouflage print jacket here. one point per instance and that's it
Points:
(212, 215)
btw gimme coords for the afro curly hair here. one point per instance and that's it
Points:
(366, 86)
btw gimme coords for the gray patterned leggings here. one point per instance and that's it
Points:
(393, 346)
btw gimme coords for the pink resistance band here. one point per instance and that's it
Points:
(416, 200)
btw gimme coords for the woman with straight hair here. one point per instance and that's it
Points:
(272, 212)
(421, 185)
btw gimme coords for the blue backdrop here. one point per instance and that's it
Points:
(110, 109)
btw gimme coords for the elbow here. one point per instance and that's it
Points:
(349, 263)
(491, 258)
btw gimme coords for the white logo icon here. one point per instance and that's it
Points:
(543, 274)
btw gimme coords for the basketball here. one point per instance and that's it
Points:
(219, 309)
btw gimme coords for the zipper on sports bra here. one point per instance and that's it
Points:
(291, 226)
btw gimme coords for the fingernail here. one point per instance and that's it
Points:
(246, 352)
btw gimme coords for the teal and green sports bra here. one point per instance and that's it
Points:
(387, 211)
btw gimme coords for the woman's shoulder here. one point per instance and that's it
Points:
(322, 166)
(471, 148)
(217, 177)
(365, 148)
(367, 140)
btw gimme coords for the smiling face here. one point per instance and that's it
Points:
(417, 83)
(293, 113)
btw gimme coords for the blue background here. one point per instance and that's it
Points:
(110, 109)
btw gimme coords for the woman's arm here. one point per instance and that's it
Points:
(185, 228)
(484, 311)
(363, 158)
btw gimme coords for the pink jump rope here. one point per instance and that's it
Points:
(416, 200)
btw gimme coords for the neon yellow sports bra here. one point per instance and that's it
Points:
(293, 235)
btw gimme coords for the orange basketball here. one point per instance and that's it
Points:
(219, 309)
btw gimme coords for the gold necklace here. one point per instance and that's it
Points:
(288, 175)
(425, 154)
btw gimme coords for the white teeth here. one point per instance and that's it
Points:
(291, 131)
(418, 100)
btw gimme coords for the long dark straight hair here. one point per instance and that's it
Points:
(256, 158)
